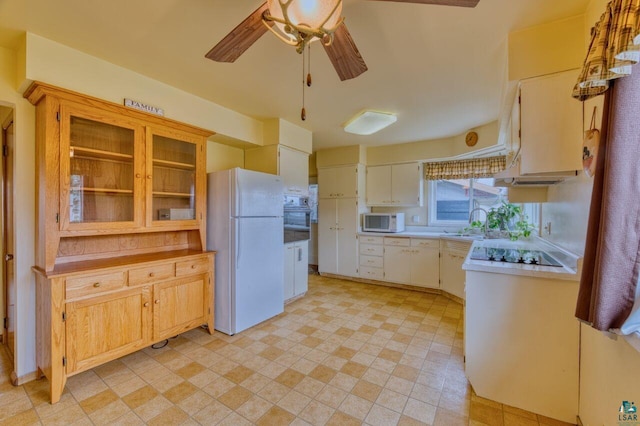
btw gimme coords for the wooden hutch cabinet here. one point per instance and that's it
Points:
(120, 251)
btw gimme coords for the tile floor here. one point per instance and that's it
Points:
(346, 354)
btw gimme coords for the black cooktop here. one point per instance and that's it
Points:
(522, 256)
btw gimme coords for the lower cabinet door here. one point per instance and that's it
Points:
(289, 271)
(301, 273)
(425, 267)
(397, 264)
(106, 327)
(178, 306)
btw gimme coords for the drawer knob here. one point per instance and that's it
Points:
(96, 285)
(146, 304)
(149, 176)
(156, 301)
(193, 266)
(151, 274)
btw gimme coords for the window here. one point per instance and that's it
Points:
(451, 201)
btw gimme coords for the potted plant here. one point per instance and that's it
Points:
(508, 221)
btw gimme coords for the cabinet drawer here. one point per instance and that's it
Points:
(193, 266)
(371, 250)
(372, 261)
(88, 285)
(153, 273)
(371, 273)
(371, 240)
(395, 241)
(421, 242)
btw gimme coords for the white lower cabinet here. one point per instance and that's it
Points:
(452, 276)
(371, 259)
(413, 261)
(425, 263)
(296, 264)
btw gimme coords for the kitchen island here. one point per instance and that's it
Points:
(521, 336)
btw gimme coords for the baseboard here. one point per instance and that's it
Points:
(579, 421)
(396, 285)
(17, 381)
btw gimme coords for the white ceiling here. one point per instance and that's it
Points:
(442, 70)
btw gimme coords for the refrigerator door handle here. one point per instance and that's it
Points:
(237, 224)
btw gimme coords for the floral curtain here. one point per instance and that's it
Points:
(614, 48)
(465, 169)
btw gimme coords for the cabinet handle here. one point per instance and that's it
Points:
(138, 175)
(193, 266)
(96, 285)
(156, 301)
(146, 304)
(151, 274)
(149, 176)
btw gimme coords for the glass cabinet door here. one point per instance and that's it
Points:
(99, 170)
(173, 162)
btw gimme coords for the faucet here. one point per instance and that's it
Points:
(485, 217)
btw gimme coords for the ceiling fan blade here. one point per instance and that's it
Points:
(461, 3)
(344, 55)
(241, 38)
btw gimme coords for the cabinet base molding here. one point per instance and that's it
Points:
(294, 298)
(396, 285)
(18, 381)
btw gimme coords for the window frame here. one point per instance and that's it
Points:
(532, 210)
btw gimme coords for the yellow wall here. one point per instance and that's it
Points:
(608, 376)
(353, 154)
(62, 66)
(438, 148)
(24, 209)
(279, 131)
(545, 49)
(223, 157)
(313, 169)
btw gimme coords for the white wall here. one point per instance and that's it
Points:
(24, 211)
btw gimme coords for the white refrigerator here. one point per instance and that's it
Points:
(245, 228)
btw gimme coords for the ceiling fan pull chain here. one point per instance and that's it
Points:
(309, 68)
(303, 113)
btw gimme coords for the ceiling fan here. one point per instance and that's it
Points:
(298, 23)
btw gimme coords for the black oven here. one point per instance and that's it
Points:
(297, 218)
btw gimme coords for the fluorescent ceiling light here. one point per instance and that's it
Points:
(369, 122)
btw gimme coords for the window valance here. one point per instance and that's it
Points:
(614, 48)
(465, 169)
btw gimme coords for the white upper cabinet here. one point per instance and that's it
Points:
(290, 164)
(340, 182)
(294, 170)
(395, 185)
(550, 124)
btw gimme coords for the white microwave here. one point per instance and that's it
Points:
(383, 222)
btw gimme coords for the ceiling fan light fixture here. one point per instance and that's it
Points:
(311, 18)
(369, 122)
